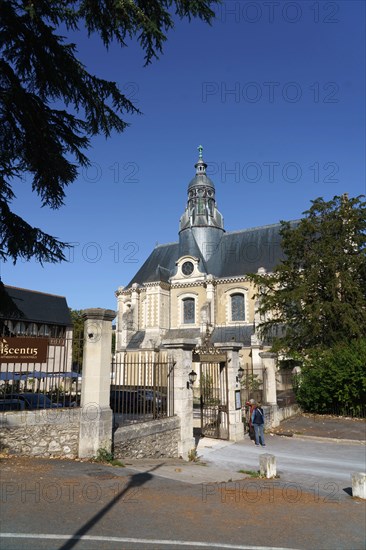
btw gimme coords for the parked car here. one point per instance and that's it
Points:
(137, 401)
(11, 405)
(69, 401)
(123, 401)
(36, 401)
(149, 400)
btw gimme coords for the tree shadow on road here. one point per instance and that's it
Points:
(137, 480)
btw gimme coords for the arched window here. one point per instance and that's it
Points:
(188, 311)
(237, 307)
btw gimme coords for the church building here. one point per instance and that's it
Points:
(198, 286)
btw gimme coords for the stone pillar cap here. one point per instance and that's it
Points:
(180, 343)
(99, 313)
(228, 346)
(267, 355)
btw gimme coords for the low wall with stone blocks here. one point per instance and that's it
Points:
(44, 433)
(274, 414)
(155, 439)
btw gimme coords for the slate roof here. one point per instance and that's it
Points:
(163, 256)
(239, 253)
(201, 179)
(188, 333)
(38, 307)
(234, 333)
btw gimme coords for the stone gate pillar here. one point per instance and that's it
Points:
(269, 377)
(181, 351)
(269, 388)
(96, 415)
(236, 428)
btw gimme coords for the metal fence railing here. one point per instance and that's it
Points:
(142, 387)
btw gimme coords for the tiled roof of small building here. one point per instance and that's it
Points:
(38, 307)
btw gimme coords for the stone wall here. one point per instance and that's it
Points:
(155, 439)
(44, 433)
(288, 412)
(274, 414)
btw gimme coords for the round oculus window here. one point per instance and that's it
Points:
(187, 268)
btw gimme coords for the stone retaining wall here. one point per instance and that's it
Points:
(44, 433)
(155, 439)
(275, 414)
(288, 412)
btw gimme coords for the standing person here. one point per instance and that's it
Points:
(258, 424)
(250, 404)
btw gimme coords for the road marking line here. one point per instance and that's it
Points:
(138, 541)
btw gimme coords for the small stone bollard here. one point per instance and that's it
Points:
(267, 465)
(359, 484)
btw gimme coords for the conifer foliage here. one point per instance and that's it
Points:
(50, 105)
(316, 297)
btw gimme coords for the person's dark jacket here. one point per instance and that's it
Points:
(258, 416)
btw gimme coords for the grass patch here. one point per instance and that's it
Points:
(106, 457)
(256, 474)
(251, 473)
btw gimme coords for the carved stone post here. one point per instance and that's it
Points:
(269, 382)
(269, 388)
(96, 414)
(236, 428)
(181, 351)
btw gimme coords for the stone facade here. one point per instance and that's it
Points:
(200, 285)
(45, 433)
(156, 439)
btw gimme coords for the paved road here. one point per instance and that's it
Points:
(304, 460)
(61, 505)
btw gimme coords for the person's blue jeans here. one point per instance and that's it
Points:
(259, 433)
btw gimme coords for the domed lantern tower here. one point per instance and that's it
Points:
(201, 224)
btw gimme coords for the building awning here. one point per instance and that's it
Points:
(6, 376)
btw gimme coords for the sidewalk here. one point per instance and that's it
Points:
(208, 469)
(323, 426)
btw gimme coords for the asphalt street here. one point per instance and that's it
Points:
(59, 504)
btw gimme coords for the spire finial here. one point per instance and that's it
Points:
(200, 149)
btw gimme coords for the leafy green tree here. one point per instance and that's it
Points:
(334, 380)
(78, 338)
(316, 297)
(50, 105)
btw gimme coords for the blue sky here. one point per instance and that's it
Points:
(274, 93)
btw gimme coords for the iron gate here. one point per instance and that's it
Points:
(214, 398)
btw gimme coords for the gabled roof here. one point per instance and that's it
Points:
(242, 252)
(159, 266)
(38, 307)
(239, 253)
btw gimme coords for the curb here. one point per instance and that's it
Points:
(324, 439)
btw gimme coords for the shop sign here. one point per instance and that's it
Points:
(23, 350)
